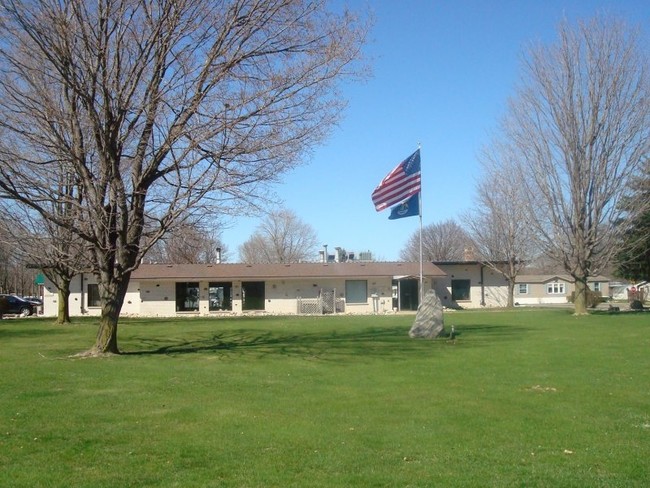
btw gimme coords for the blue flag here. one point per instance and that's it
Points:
(408, 208)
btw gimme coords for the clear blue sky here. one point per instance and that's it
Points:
(442, 75)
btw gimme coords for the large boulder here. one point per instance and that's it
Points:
(429, 321)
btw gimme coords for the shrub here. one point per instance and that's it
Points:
(593, 298)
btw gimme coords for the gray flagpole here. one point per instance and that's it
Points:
(420, 214)
(421, 265)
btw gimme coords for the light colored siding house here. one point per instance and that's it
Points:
(160, 290)
(549, 289)
(470, 284)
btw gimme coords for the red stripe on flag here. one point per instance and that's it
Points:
(395, 188)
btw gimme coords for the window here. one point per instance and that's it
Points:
(523, 288)
(596, 285)
(252, 293)
(460, 289)
(555, 288)
(220, 295)
(187, 297)
(356, 291)
(93, 295)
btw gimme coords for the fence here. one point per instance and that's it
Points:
(636, 294)
(326, 303)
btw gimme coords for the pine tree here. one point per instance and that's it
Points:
(633, 260)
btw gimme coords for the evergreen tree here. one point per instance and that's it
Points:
(634, 257)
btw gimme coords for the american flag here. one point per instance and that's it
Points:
(401, 183)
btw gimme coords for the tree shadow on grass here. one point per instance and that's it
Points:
(11, 333)
(391, 343)
(485, 335)
(492, 330)
(321, 345)
(25, 327)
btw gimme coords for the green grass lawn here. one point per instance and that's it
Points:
(519, 398)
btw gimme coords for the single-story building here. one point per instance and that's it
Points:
(474, 284)
(167, 290)
(470, 284)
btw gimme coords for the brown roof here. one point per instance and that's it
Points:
(542, 278)
(283, 271)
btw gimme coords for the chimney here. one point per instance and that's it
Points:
(218, 255)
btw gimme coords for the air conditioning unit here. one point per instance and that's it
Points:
(365, 256)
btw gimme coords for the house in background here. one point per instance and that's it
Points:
(623, 290)
(161, 290)
(618, 290)
(536, 289)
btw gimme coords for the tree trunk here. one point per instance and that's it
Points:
(580, 297)
(63, 316)
(106, 341)
(112, 297)
(511, 294)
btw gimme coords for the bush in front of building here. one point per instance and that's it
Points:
(593, 298)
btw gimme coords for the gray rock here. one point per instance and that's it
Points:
(429, 321)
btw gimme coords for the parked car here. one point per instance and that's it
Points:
(16, 305)
(34, 300)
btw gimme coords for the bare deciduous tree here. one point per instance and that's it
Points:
(445, 241)
(498, 224)
(15, 276)
(45, 244)
(160, 107)
(41, 244)
(580, 127)
(281, 238)
(189, 243)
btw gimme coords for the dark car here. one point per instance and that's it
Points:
(16, 305)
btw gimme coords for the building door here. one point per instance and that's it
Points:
(408, 294)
